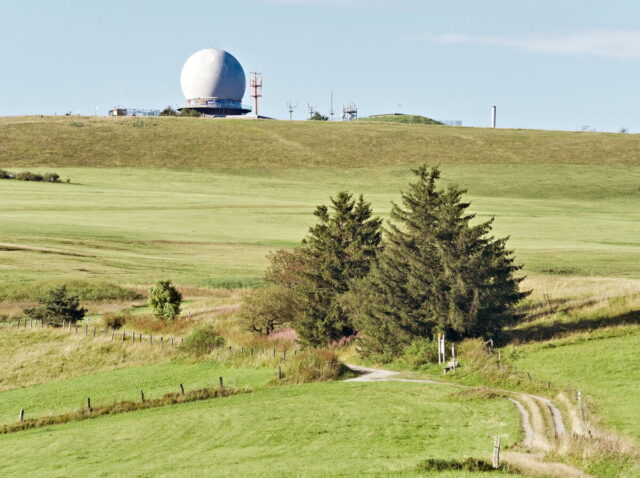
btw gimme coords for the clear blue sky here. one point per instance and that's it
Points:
(549, 64)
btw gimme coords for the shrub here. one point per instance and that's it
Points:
(165, 300)
(57, 306)
(265, 310)
(468, 464)
(51, 178)
(6, 174)
(420, 352)
(114, 321)
(168, 111)
(202, 341)
(29, 176)
(314, 365)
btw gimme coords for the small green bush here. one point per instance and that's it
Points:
(6, 174)
(114, 321)
(51, 177)
(165, 300)
(29, 176)
(314, 365)
(202, 341)
(468, 464)
(420, 352)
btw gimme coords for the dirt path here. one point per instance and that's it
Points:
(538, 437)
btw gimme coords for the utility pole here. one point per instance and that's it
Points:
(256, 85)
(494, 114)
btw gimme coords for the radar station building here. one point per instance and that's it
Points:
(213, 84)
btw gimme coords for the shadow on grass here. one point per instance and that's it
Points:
(552, 330)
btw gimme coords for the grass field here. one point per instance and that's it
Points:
(60, 396)
(309, 430)
(202, 202)
(214, 228)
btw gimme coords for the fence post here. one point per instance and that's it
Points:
(252, 352)
(171, 342)
(279, 373)
(221, 382)
(86, 329)
(274, 353)
(21, 415)
(181, 389)
(142, 396)
(124, 335)
(133, 337)
(162, 342)
(496, 453)
(284, 354)
(150, 339)
(113, 334)
(42, 323)
(94, 331)
(89, 404)
(76, 327)
(18, 324)
(529, 375)
(30, 323)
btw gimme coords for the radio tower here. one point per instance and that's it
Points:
(256, 84)
(290, 108)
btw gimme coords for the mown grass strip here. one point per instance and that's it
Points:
(170, 398)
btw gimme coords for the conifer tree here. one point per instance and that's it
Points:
(57, 306)
(338, 249)
(437, 273)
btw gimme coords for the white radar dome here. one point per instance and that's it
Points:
(213, 73)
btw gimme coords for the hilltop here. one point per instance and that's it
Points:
(194, 143)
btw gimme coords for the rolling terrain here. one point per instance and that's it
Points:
(202, 202)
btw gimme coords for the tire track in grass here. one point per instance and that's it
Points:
(536, 429)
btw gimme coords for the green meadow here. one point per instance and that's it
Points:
(203, 202)
(211, 228)
(333, 429)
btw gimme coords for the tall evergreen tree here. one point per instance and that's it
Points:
(437, 273)
(338, 249)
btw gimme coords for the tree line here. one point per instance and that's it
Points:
(432, 269)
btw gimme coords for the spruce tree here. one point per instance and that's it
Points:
(57, 306)
(339, 249)
(437, 273)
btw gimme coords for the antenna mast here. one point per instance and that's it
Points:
(331, 112)
(256, 85)
(290, 108)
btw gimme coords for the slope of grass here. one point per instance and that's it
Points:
(35, 356)
(603, 366)
(110, 386)
(190, 143)
(335, 429)
(214, 228)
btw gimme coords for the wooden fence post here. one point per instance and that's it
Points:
(94, 331)
(496, 453)
(142, 396)
(21, 415)
(76, 327)
(150, 339)
(529, 375)
(113, 334)
(171, 342)
(18, 326)
(86, 329)
(220, 382)
(133, 337)
(279, 373)
(89, 409)
(162, 342)
(284, 354)
(181, 389)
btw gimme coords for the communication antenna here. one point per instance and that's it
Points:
(349, 112)
(256, 85)
(290, 108)
(331, 112)
(312, 109)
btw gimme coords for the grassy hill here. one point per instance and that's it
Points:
(202, 202)
(194, 143)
